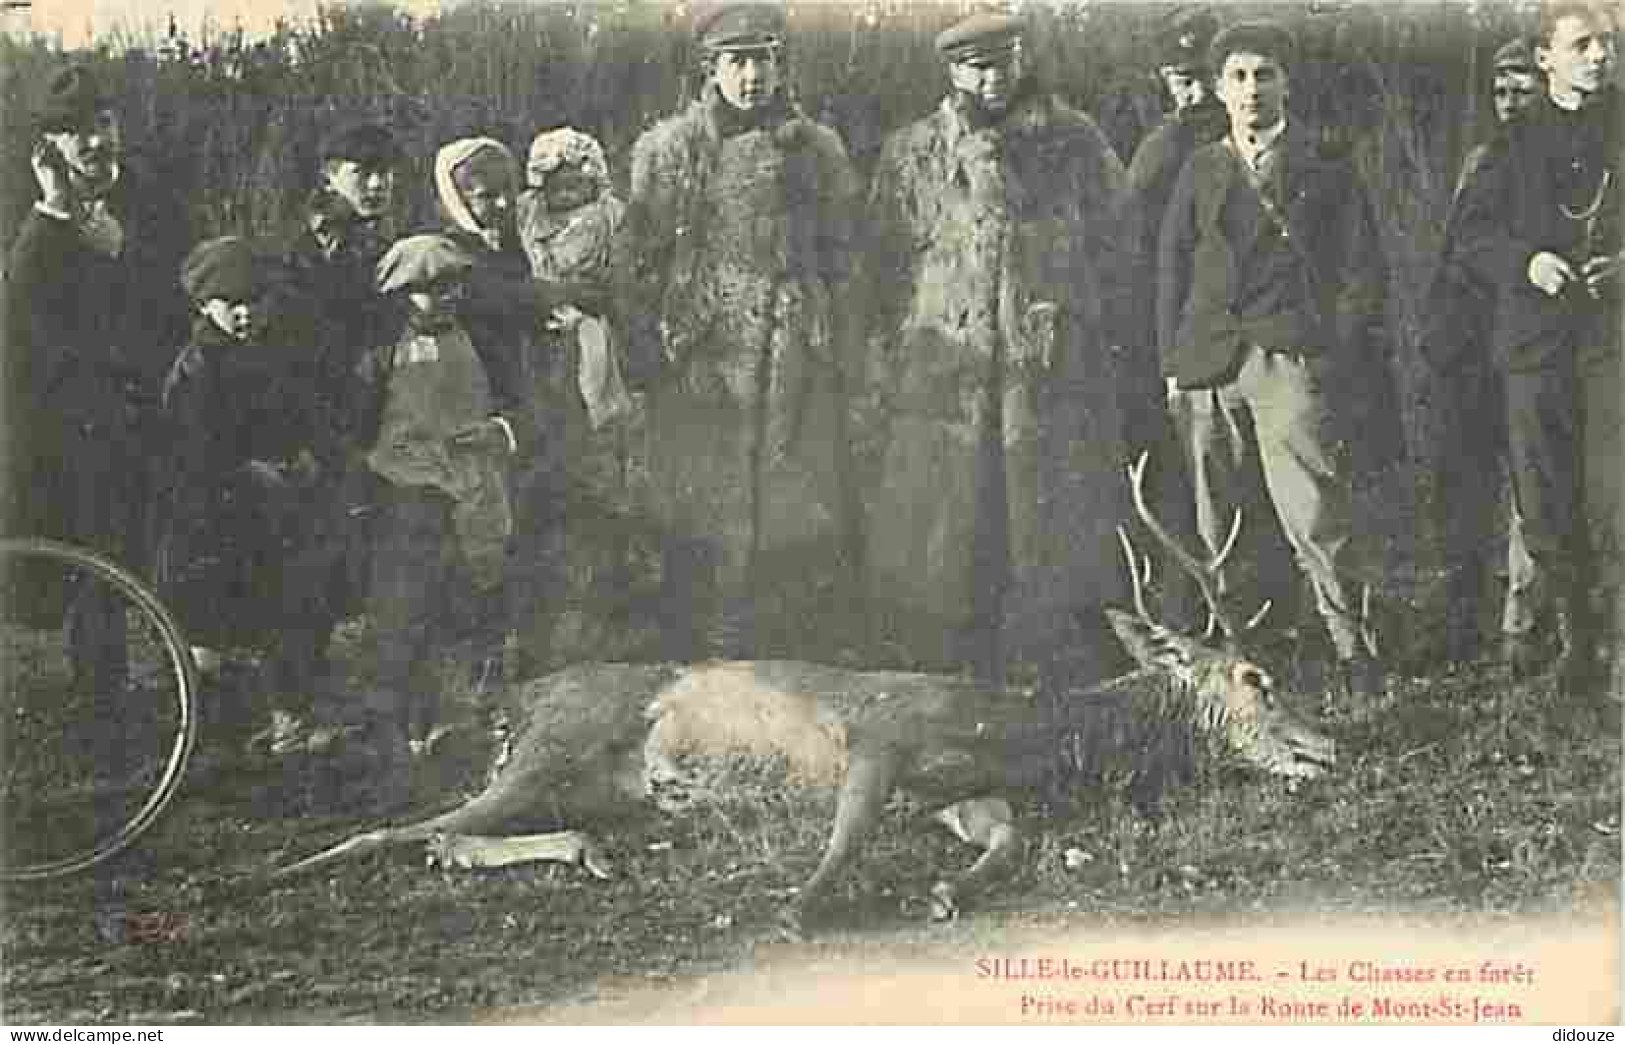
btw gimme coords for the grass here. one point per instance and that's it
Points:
(1457, 794)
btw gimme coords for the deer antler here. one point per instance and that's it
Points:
(1204, 573)
(1139, 572)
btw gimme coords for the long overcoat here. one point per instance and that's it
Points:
(1004, 306)
(735, 250)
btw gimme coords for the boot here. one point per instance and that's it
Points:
(1528, 654)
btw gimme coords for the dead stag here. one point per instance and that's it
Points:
(601, 740)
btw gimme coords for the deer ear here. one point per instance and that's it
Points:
(1151, 644)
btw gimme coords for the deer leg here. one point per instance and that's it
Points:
(989, 824)
(868, 782)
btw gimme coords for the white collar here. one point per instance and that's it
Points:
(1573, 101)
(1252, 144)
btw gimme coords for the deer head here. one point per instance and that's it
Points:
(1226, 693)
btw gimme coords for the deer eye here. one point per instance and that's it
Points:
(1254, 678)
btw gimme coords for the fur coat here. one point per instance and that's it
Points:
(732, 263)
(990, 425)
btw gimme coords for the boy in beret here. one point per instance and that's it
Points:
(733, 270)
(1540, 222)
(1005, 255)
(248, 453)
(92, 318)
(1270, 277)
(1469, 452)
(450, 426)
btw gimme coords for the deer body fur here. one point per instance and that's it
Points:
(600, 741)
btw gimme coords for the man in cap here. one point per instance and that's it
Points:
(1197, 118)
(93, 318)
(1270, 278)
(733, 266)
(991, 420)
(1540, 222)
(1472, 443)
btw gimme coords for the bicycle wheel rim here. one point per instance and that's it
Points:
(178, 662)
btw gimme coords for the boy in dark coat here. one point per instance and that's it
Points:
(245, 475)
(1541, 224)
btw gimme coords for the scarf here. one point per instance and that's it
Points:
(446, 161)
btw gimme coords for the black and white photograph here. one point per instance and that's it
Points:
(906, 512)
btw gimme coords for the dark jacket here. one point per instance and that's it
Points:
(1460, 304)
(503, 314)
(229, 403)
(1513, 209)
(86, 343)
(335, 298)
(1154, 170)
(1328, 221)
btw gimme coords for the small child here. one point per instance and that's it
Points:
(568, 218)
(245, 473)
(448, 429)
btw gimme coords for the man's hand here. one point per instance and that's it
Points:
(51, 173)
(1601, 274)
(1551, 273)
(488, 436)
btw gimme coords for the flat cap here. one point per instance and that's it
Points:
(985, 34)
(740, 26)
(1265, 38)
(364, 143)
(1514, 56)
(228, 268)
(417, 261)
(73, 97)
(1183, 38)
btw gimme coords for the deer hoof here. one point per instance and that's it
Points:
(593, 861)
(944, 902)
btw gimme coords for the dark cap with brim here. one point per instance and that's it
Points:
(985, 34)
(72, 99)
(417, 262)
(1515, 56)
(1183, 38)
(740, 26)
(1264, 38)
(365, 144)
(228, 268)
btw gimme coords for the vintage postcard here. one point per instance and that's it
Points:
(1077, 512)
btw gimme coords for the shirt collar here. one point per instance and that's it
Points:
(1251, 144)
